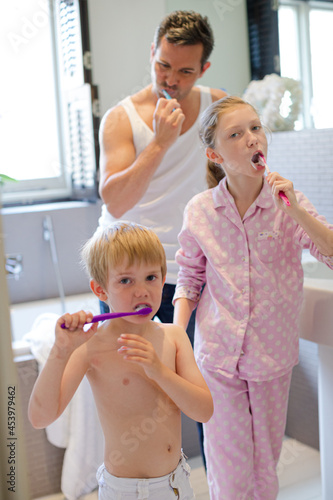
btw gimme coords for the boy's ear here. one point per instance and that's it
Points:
(98, 290)
(213, 156)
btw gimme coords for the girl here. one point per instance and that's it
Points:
(245, 244)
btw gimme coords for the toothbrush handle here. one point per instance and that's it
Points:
(284, 198)
(111, 315)
(281, 193)
(102, 317)
(166, 95)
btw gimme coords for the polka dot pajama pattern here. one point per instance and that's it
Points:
(244, 437)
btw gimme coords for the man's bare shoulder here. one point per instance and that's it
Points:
(116, 118)
(217, 94)
(113, 117)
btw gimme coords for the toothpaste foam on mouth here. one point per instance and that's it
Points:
(141, 306)
(257, 161)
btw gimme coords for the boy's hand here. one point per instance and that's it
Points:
(73, 335)
(138, 350)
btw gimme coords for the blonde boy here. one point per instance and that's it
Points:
(142, 373)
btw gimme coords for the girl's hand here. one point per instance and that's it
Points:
(138, 350)
(73, 335)
(279, 183)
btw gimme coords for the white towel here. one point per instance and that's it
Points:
(78, 429)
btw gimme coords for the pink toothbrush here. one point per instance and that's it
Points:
(262, 157)
(102, 317)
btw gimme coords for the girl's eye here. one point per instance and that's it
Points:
(235, 134)
(257, 127)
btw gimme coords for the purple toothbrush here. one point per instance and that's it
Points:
(101, 317)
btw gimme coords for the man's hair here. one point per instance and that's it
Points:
(119, 242)
(186, 28)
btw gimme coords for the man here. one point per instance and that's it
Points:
(151, 160)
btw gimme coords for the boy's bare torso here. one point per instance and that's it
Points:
(141, 425)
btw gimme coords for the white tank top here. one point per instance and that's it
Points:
(180, 175)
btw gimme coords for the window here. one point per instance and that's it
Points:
(305, 36)
(49, 108)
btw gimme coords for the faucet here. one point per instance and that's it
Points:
(13, 265)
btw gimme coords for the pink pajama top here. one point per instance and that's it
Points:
(247, 320)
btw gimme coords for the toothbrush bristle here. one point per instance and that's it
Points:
(144, 310)
(258, 160)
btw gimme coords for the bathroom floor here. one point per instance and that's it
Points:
(298, 469)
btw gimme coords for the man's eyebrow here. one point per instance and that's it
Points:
(168, 64)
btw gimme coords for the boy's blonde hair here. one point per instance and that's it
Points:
(109, 247)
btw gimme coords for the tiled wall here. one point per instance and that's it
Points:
(306, 158)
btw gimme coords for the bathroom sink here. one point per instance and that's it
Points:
(317, 312)
(317, 326)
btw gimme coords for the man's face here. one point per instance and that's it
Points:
(176, 68)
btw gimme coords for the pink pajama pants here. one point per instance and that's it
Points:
(244, 437)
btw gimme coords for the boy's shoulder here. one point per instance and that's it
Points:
(174, 333)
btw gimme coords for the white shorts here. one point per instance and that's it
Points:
(173, 486)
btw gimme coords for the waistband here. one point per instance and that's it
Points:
(136, 484)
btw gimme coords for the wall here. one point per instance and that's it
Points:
(121, 34)
(306, 158)
(73, 223)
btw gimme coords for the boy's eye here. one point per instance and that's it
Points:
(125, 281)
(151, 277)
(235, 134)
(257, 127)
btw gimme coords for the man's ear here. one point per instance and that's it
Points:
(213, 156)
(204, 68)
(152, 51)
(98, 290)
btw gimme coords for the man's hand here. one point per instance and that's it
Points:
(167, 122)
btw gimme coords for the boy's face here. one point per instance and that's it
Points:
(130, 288)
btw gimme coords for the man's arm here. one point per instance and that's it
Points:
(124, 178)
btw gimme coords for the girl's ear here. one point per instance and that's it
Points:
(98, 290)
(214, 156)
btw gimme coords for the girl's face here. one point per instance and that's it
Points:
(239, 134)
